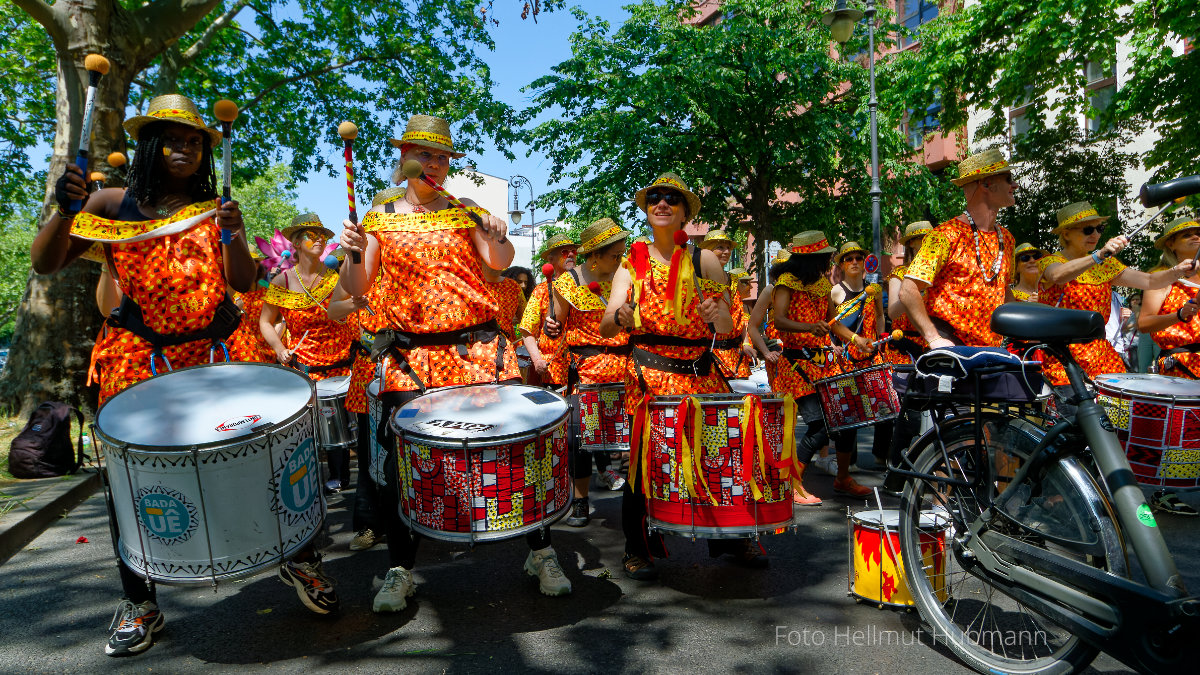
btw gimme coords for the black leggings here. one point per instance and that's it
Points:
(816, 437)
(579, 460)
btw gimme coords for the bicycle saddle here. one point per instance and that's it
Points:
(1034, 322)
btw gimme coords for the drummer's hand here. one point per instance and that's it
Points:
(750, 352)
(353, 238)
(360, 301)
(1114, 246)
(540, 365)
(493, 228)
(1188, 311)
(710, 311)
(285, 356)
(820, 328)
(1033, 297)
(1186, 269)
(551, 328)
(625, 316)
(940, 343)
(772, 356)
(862, 344)
(70, 187)
(229, 216)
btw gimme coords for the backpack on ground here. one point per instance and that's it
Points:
(43, 449)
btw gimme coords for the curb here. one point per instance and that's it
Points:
(43, 510)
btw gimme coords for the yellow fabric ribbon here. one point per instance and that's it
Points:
(691, 462)
(751, 427)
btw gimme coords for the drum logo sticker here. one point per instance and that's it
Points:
(296, 480)
(238, 423)
(1146, 516)
(167, 515)
(448, 427)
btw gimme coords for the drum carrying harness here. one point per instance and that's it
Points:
(1169, 362)
(581, 353)
(396, 343)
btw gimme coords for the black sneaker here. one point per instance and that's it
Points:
(133, 628)
(744, 552)
(638, 568)
(579, 516)
(314, 588)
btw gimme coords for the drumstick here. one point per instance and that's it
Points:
(116, 160)
(349, 131)
(332, 264)
(97, 180)
(226, 111)
(548, 272)
(894, 335)
(96, 66)
(412, 169)
(1137, 230)
(300, 342)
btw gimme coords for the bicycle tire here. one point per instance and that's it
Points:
(976, 619)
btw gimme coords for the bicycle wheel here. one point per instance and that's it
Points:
(991, 631)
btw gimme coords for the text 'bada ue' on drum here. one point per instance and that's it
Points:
(336, 427)
(1158, 422)
(213, 471)
(482, 462)
(876, 568)
(601, 418)
(718, 466)
(858, 398)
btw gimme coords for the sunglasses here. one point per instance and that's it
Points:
(1026, 257)
(1090, 229)
(853, 258)
(673, 198)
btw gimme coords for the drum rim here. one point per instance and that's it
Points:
(443, 442)
(124, 446)
(598, 386)
(882, 366)
(1123, 394)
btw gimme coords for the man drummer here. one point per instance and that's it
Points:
(163, 248)
(441, 323)
(547, 354)
(733, 351)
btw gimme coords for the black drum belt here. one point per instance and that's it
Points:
(651, 340)
(588, 351)
(701, 367)
(397, 342)
(128, 315)
(1184, 349)
(355, 349)
(728, 343)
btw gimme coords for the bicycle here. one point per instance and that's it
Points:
(1036, 518)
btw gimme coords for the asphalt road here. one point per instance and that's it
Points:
(477, 611)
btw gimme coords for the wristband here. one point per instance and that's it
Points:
(64, 215)
(1097, 259)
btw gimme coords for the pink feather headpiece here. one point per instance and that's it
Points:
(278, 253)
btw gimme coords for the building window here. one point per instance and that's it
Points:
(1101, 87)
(1018, 115)
(916, 127)
(912, 14)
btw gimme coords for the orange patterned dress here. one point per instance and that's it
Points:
(809, 304)
(1092, 291)
(860, 315)
(582, 329)
(318, 341)
(363, 370)
(959, 294)
(247, 343)
(732, 359)
(1187, 364)
(554, 350)
(172, 269)
(433, 282)
(511, 301)
(903, 324)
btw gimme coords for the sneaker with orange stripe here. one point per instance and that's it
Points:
(133, 628)
(312, 586)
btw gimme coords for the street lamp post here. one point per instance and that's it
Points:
(841, 22)
(517, 182)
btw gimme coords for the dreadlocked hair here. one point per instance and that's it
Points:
(145, 173)
(807, 268)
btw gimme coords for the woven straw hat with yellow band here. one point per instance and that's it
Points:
(809, 243)
(715, 238)
(429, 132)
(848, 248)
(990, 162)
(1076, 215)
(388, 195)
(673, 181)
(600, 234)
(1029, 247)
(172, 108)
(557, 241)
(917, 229)
(1178, 225)
(643, 240)
(739, 275)
(781, 257)
(306, 221)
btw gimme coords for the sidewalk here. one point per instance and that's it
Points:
(27, 507)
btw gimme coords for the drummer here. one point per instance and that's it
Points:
(510, 299)
(670, 354)
(441, 323)
(547, 355)
(178, 260)
(580, 297)
(732, 351)
(1027, 272)
(247, 343)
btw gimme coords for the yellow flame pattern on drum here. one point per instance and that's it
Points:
(1117, 409)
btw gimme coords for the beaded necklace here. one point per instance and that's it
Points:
(999, 251)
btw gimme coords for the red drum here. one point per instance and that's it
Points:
(1158, 422)
(723, 477)
(601, 417)
(483, 462)
(859, 398)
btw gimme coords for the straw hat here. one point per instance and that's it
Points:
(739, 275)
(1175, 227)
(557, 241)
(643, 240)
(781, 257)
(674, 182)
(917, 229)
(990, 162)
(429, 132)
(1076, 215)
(1028, 247)
(388, 195)
(848, 248)
(306, 221)
(715, 237)
(810, 242)
(172, 108)
(600, 234)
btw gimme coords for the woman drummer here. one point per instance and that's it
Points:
(442, 327)
(733, 352)
(580, 297)
(670, 340)
(162, 246)
(547, 355)
(1028, 273)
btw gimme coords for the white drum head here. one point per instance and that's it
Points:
(891, 519)
(1147, 384)
(480, 412)
(332, 387)
(210, 404)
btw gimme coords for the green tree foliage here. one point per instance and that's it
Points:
(27, 98)
(747, 110)
(268, 201)
(997, 53)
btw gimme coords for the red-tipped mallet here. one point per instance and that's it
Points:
(116, 160)
(97, 180)
(894, 335)
(548, 272)
(349, 131)
(96, 66)
(412, 169)
(226, 112)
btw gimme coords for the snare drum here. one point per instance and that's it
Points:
(483, 462)
(723, 468)
(1158, 422)
(601, 418)
(336, 428)
(213, 471)
(378, 454)
(756, 384)
(859, 398)
(876, 566)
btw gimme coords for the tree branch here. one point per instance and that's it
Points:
(47, 15)
(209, 33)
(164, 21)
(307, 74)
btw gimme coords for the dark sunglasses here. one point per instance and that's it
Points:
(1026, 257)
(673, 198)
(1087, 231)
(853, 258)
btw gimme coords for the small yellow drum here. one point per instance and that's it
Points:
(876, 568)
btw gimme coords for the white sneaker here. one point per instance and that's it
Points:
(611, 480)
(364, 539)
(397, 588)
(827, 465)
(544, 565)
